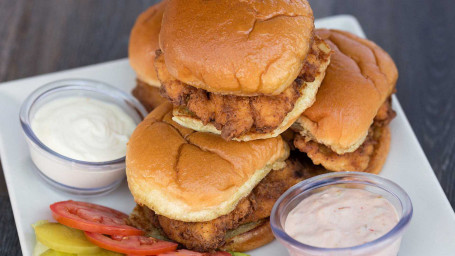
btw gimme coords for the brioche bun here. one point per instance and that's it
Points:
(381, 151)
(307, 98)
(250, 240)
(248, 48)
(192, 176)
(359, 79)
(144, 42)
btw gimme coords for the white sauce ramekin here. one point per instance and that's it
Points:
(64, 173)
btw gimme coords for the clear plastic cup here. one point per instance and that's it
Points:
(386, 245)
(67, 174)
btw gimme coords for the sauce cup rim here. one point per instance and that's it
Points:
(74, 84)
(338, 178)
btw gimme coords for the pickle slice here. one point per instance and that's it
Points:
(63, 239)
(103, 253)
(51, 252)
(40, 249)
(55, 253)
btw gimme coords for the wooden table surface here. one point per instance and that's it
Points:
(42, 36)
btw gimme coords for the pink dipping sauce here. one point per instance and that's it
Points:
(342, 217)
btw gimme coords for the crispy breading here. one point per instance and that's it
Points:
(210, 235)
(237, 115)
(358, 160)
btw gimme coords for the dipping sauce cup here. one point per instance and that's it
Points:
(386, 245)
(67, 174)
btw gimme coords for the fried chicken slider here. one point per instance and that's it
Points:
(142, 46)
(204, 192)
(242, 69)
(346, 129)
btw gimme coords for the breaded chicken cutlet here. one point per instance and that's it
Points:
(237, 115)
(249, 213)
(362, 159)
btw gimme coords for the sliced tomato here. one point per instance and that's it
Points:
(93, 218)
(135, 245)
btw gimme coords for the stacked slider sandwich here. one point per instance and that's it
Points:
(206, 167)
(202, 191)
(141, 51)
(346, 129)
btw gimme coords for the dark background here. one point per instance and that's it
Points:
(44, 36)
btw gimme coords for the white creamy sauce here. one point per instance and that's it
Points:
(341, 217)
(83, 128)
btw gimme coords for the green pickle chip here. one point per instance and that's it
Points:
(238, 254)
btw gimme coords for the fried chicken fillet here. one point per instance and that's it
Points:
(246, 70)
(369, 157)
(250, 213)
(202, 191)
(236, 115)
(346, 129)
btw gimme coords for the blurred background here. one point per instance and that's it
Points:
(42, 36)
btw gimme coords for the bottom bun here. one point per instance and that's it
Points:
(250, 240)
(148, 95)
(381, 151)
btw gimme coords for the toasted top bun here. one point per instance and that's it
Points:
(308, 95)
(193, 176)
(144, 43)
(360, 77)
(237, 47)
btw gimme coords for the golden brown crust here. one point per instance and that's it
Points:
(252, 210)
(148, 95)
(359, 79)
(369, 157)
(193, 176)
(208, 235)
(144, 42)
(381, 151)
(237, 47)
(242, 117)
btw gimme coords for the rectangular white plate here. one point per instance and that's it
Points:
(432, 230)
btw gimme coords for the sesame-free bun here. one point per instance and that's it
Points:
(193, 176)
(359, 79)
(236, 47)
(250, 240)
(381, 151)
(308, 94)
(144, 42)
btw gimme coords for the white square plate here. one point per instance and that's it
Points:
(432, 229)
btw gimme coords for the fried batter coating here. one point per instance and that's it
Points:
(237, 115)
(358, 160)
(210, 235)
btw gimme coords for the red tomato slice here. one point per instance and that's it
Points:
(136, 245)
(92, 218)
